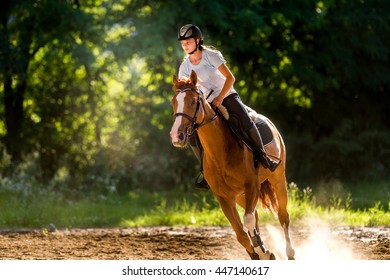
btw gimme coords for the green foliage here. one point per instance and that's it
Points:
(337, 210)
(301, 202)
(27, 204)
(346, 154)
(85, 87)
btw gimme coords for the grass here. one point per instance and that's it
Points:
(338, 211)
(29, 206)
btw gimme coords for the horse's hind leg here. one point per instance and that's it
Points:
(284, 222)
(284, 219)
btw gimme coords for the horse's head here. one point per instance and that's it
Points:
(187, 104)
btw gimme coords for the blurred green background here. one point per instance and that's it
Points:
(85, 90)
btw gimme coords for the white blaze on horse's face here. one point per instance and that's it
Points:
(176, 130)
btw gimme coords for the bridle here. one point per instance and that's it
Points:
(200, 103)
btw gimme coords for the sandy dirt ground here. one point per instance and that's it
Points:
(191, 243)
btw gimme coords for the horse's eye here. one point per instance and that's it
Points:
(193, 102)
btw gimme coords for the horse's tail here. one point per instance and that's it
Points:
(268, 197)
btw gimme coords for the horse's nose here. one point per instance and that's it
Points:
(181, 136)
(178, 138)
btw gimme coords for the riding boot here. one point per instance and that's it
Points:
(200, 182)
(259, 151)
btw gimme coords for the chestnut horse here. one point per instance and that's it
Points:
(229, 167)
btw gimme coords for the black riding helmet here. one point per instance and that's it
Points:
(190, 31)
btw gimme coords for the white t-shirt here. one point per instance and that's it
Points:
(209, 77)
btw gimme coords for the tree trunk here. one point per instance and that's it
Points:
(13, 107)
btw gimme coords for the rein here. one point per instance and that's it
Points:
(194, 125)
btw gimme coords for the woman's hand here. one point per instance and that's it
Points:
(225, 71)
(217, 101)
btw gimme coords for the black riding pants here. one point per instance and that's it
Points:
(238, 114)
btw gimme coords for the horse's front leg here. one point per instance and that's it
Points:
(251, 224)
(260, 252)
(231, 213)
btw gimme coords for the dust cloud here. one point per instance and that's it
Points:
(313, 240)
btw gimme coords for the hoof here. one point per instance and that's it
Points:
(253, 256)
(265, 256)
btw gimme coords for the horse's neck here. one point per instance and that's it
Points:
(215, 135)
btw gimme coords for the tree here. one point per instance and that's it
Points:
(26, 28)
(85, 85)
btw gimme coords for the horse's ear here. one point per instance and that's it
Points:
(174, 80)
(194, 77)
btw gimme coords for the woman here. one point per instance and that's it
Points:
(216, 82)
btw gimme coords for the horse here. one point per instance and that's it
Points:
(229, 167)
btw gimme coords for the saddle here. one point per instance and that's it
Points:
(240, 135)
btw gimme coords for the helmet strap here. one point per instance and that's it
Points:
(196, 48)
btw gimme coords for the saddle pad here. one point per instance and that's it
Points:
(264, 130)
(262, 126)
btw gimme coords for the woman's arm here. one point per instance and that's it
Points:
(225, 71)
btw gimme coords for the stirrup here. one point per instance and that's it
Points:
(201, 183)
(270, 162)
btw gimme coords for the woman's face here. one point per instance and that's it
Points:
(188, 45)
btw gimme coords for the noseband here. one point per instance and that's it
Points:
(194, 125)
